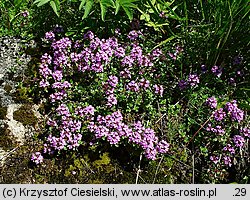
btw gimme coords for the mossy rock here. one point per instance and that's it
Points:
(3, 112)
(7, 141)
(25, 115)
(7, 88)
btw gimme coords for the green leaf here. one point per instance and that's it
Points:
(82, 4)
(88, 7)
(104, 4)
(53, 5)
(36, 1)
(126, 6)
(42, 2)
(165, 41)
(128, 12)
(117, 6)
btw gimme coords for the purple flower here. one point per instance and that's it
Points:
(133, 86)
(63, 110)
(127, 60)
(125, 73)
(111, 100)
(162, 146)
(232, 81)
(61, 85)
(219, 114)
(61, 44)
(119, 52)
(113, 137)
(46, 59)
(144, 83)
(182, 84)
(238, 141)
(25, 13)
(57, 96)
(89, 35)
(193, 79)
(173, 55)
(227, 161)
(44, 70)
(44, 83)
(216, 70)
(156, 53)
(230, 106)
(117, 31)
(158, 89)
(133, 35)
(57, 75)
(150, 153)
(37, 158)
(237, 115)
(50, 36)
(214, 159)
(211, 102)
(218, 129)
(229, 148)
(89, 110)
(51, 122)
(162, 14)
(245, 132)
(113, 81)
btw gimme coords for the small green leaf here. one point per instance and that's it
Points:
(82, 4)
(53, 5)
(117, 6)
(104, 4)
(165, 41)
(128, 12)
(36, 1)
(42, 2)
(88, 7)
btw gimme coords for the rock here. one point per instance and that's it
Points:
(13, 61)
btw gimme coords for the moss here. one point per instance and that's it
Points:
(17, 167)
(25, 115)
(3, 112)
(21, 95)
(7, 88)
(7, 141)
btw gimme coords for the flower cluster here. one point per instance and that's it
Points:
(236, 114)
(245, 132)
(217, 129)
(211, 102)
(229, 148)
(37, 158)
(219, 114)
(231, 111)
(217, 71)
(113, 130)
(133, 35)
(193, 80)
(93, 57)
(238, 140)
(109, 88)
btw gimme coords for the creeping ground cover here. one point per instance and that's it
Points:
(132, 91)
